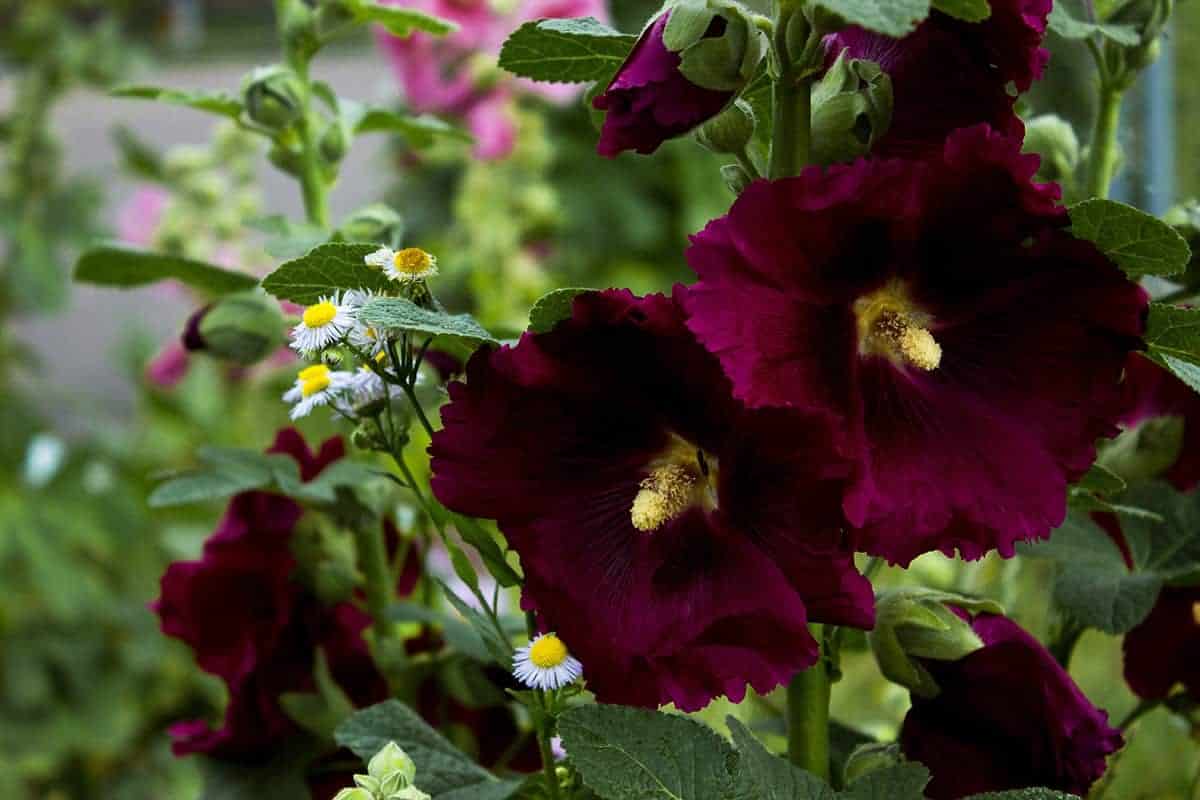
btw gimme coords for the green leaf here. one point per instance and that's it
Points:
(1094, 585)
(288, 239)
(893, 18)
(1024, 794)
(1173, 339)
(459, 635)
(398, 20)
(119, 265)
(213, 102)
(1101, 480)
(1186, 371)
(202, 485)
(1138, 243)
(1170, 547)
(280, 777)
(969, 10)
(769, 777)
(551, 308)
(634, 754)
(901, 782)
(499, 648)
(1069, 21)
(324, 270)
(418, 130)
(478, 536)
(441, 767)
(565, 50)
(401, 314)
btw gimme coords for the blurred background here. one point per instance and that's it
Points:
(97, 398)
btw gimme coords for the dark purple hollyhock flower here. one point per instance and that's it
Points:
(1165, 648)
(650, 101)
(677, 543)
(971, 347)
(950, 74)
(1007, 717)
(257, 629)
(1154, 392)
(191, 339)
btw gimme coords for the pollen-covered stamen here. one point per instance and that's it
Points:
(548, 651)
(891, 325)
(413, 262)
(682, 477)
(320, 314)
(1196, 613)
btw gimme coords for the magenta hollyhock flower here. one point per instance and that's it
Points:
(649, 100)
(677, 543)
(1155, 392)
(1164, 649)
(1007, 717)
(971, 348)
(170, 366)
(950, 74)
(257, 629)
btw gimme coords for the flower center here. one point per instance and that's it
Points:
(311, 372)
(548, 652)
(413, 261)
(320, 315)
(313, 379)
(1196, 613)
(892, 326)
(680, 478)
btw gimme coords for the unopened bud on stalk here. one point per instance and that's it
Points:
(851, 109)
(1052, 137)
(869, 758)
(244, 328)
(730, 131)
(719, 45)
(272, 97)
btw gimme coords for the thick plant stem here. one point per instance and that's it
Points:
(1102, 161)
(808, 716)
(313, 185)
(373, 561)
(548, 766)
(791, 129)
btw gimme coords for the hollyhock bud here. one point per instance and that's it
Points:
(1148, 18)
(915, 624)
(851, 109)
(1007, 716)
(686, 66)
(729, 131)
(869, 758)
(1052, 137)
(736, 177)
(374, 223)
(392, 761)
(244, 328)
(272, 97)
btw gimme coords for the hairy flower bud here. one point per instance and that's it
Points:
(851, 109)
(272, 97)
(918, 623)
(392, 762)
(729, 131)
(1053, 138)
(244, 327)
(736, 177)
(376, 223)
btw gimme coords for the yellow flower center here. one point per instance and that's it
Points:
(548, 652)
(381, 357)
(308, 373)
(892, 326)
(1196, 613)
(413, 261)
(314, 384)
(680, 478)
(319, 315)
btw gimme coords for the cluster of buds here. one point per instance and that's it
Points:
(390, 776)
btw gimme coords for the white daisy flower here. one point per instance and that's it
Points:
(367, 386)
(315, 386)
(409, 264)
(546, 664)
(324, 323)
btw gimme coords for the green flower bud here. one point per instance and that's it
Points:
(916, 623)
(1146, 450)
(392, 767)
(736, 178)
(411, 793)
(272, 97)
(286, 159)
(368, 784)
(376, 223)
(871, 757)
(334, 142)
(851, 110)
(1053, 138)
(730, 131)
(333, 17)
(719, 43)
(244, 327)
(353, 794)
(1149, 18)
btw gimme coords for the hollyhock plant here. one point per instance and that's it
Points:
(950, 74)
(1164, 650)
(1007, 717)
(1153, 392)
(648, 500)
(441, 75)
(649, 100)
(970, 346)
(252, 625)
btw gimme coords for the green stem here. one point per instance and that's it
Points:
(313, 184)
(416, 404)
(1102, 161)
(791, 129)
(808, 716)
(548, 767)
(1136, 713)
(373, 561)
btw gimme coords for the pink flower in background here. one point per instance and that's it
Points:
(439, 75)
(140, 216)
(170, 366)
